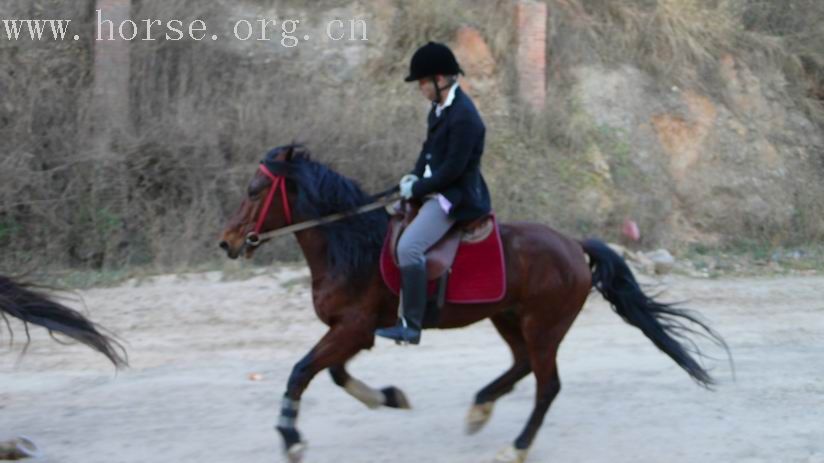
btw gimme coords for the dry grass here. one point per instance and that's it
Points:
(798, 28)
(202, 115)
(678, 43)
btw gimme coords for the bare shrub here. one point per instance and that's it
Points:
(203, 114)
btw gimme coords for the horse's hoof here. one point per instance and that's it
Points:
(511, 455)
(395, 398)
(478, 416)
(296, 452)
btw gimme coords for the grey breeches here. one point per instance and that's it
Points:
(428, 227)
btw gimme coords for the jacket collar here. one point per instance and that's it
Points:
(450, 97)
(454, 96)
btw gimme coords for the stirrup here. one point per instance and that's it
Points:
(405, 326)
(399, 333)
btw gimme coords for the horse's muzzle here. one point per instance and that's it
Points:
(231, 253)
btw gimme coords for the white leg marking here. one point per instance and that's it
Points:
(372, 398)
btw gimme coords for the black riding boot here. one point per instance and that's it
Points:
(413, 295)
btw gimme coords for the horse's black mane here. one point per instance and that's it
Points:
(354, 244)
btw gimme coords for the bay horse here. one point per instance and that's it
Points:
(548, 281)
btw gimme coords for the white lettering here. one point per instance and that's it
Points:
(59, 31)
(289, 27)
(263, 32)
(128, 23)
(329, 29)
(200, 28)
(248, 26)
(149, 24)
(12, 28)
(354, 23)
(37, 30)
(178, 30)
(100, 23)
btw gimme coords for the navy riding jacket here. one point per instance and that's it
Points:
(453, 149)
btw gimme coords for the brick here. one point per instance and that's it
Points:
(531, 30)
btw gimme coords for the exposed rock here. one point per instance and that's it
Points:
(715, 170)
(683, 140)
(473, 53)
(481, 79)
(642, 263)
(638, 261)
(662, 260)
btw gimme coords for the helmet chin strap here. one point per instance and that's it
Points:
(437, 90)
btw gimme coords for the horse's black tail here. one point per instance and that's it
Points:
(31, 306)
(662, 323)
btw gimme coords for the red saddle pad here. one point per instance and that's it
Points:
(478, 274)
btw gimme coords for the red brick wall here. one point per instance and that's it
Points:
(531, 23)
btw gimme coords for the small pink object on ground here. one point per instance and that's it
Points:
(630, 230)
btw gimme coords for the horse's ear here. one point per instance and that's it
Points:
(299, 149)
(301, 152)
(290, 151)
(257, 184)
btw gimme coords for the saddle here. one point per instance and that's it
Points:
(466, 266)
(441, 256)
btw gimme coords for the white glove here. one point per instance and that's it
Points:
(406, 185)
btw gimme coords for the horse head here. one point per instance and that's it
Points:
(267, 205)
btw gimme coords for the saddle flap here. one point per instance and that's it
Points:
(476, 271)
(439, 258)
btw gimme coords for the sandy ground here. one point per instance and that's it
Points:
(195, 339)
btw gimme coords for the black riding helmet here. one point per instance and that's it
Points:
(433, 59)
(430, 60)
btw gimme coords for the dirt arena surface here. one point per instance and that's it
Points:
(197, 344)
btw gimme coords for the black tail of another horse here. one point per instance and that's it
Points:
(27, 304)
(662, 323)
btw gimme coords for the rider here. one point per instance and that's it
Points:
(446, 178)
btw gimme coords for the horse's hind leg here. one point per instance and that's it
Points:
(373, 398)
(509, 326)
(542, 340)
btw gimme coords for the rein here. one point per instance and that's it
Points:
(255, 238)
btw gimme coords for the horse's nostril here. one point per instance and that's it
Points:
(224, 245)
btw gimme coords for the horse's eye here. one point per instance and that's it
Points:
(257, 187)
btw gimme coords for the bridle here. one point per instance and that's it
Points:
(278, 184)
(256, 237)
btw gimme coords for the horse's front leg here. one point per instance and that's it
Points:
(338, 345)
